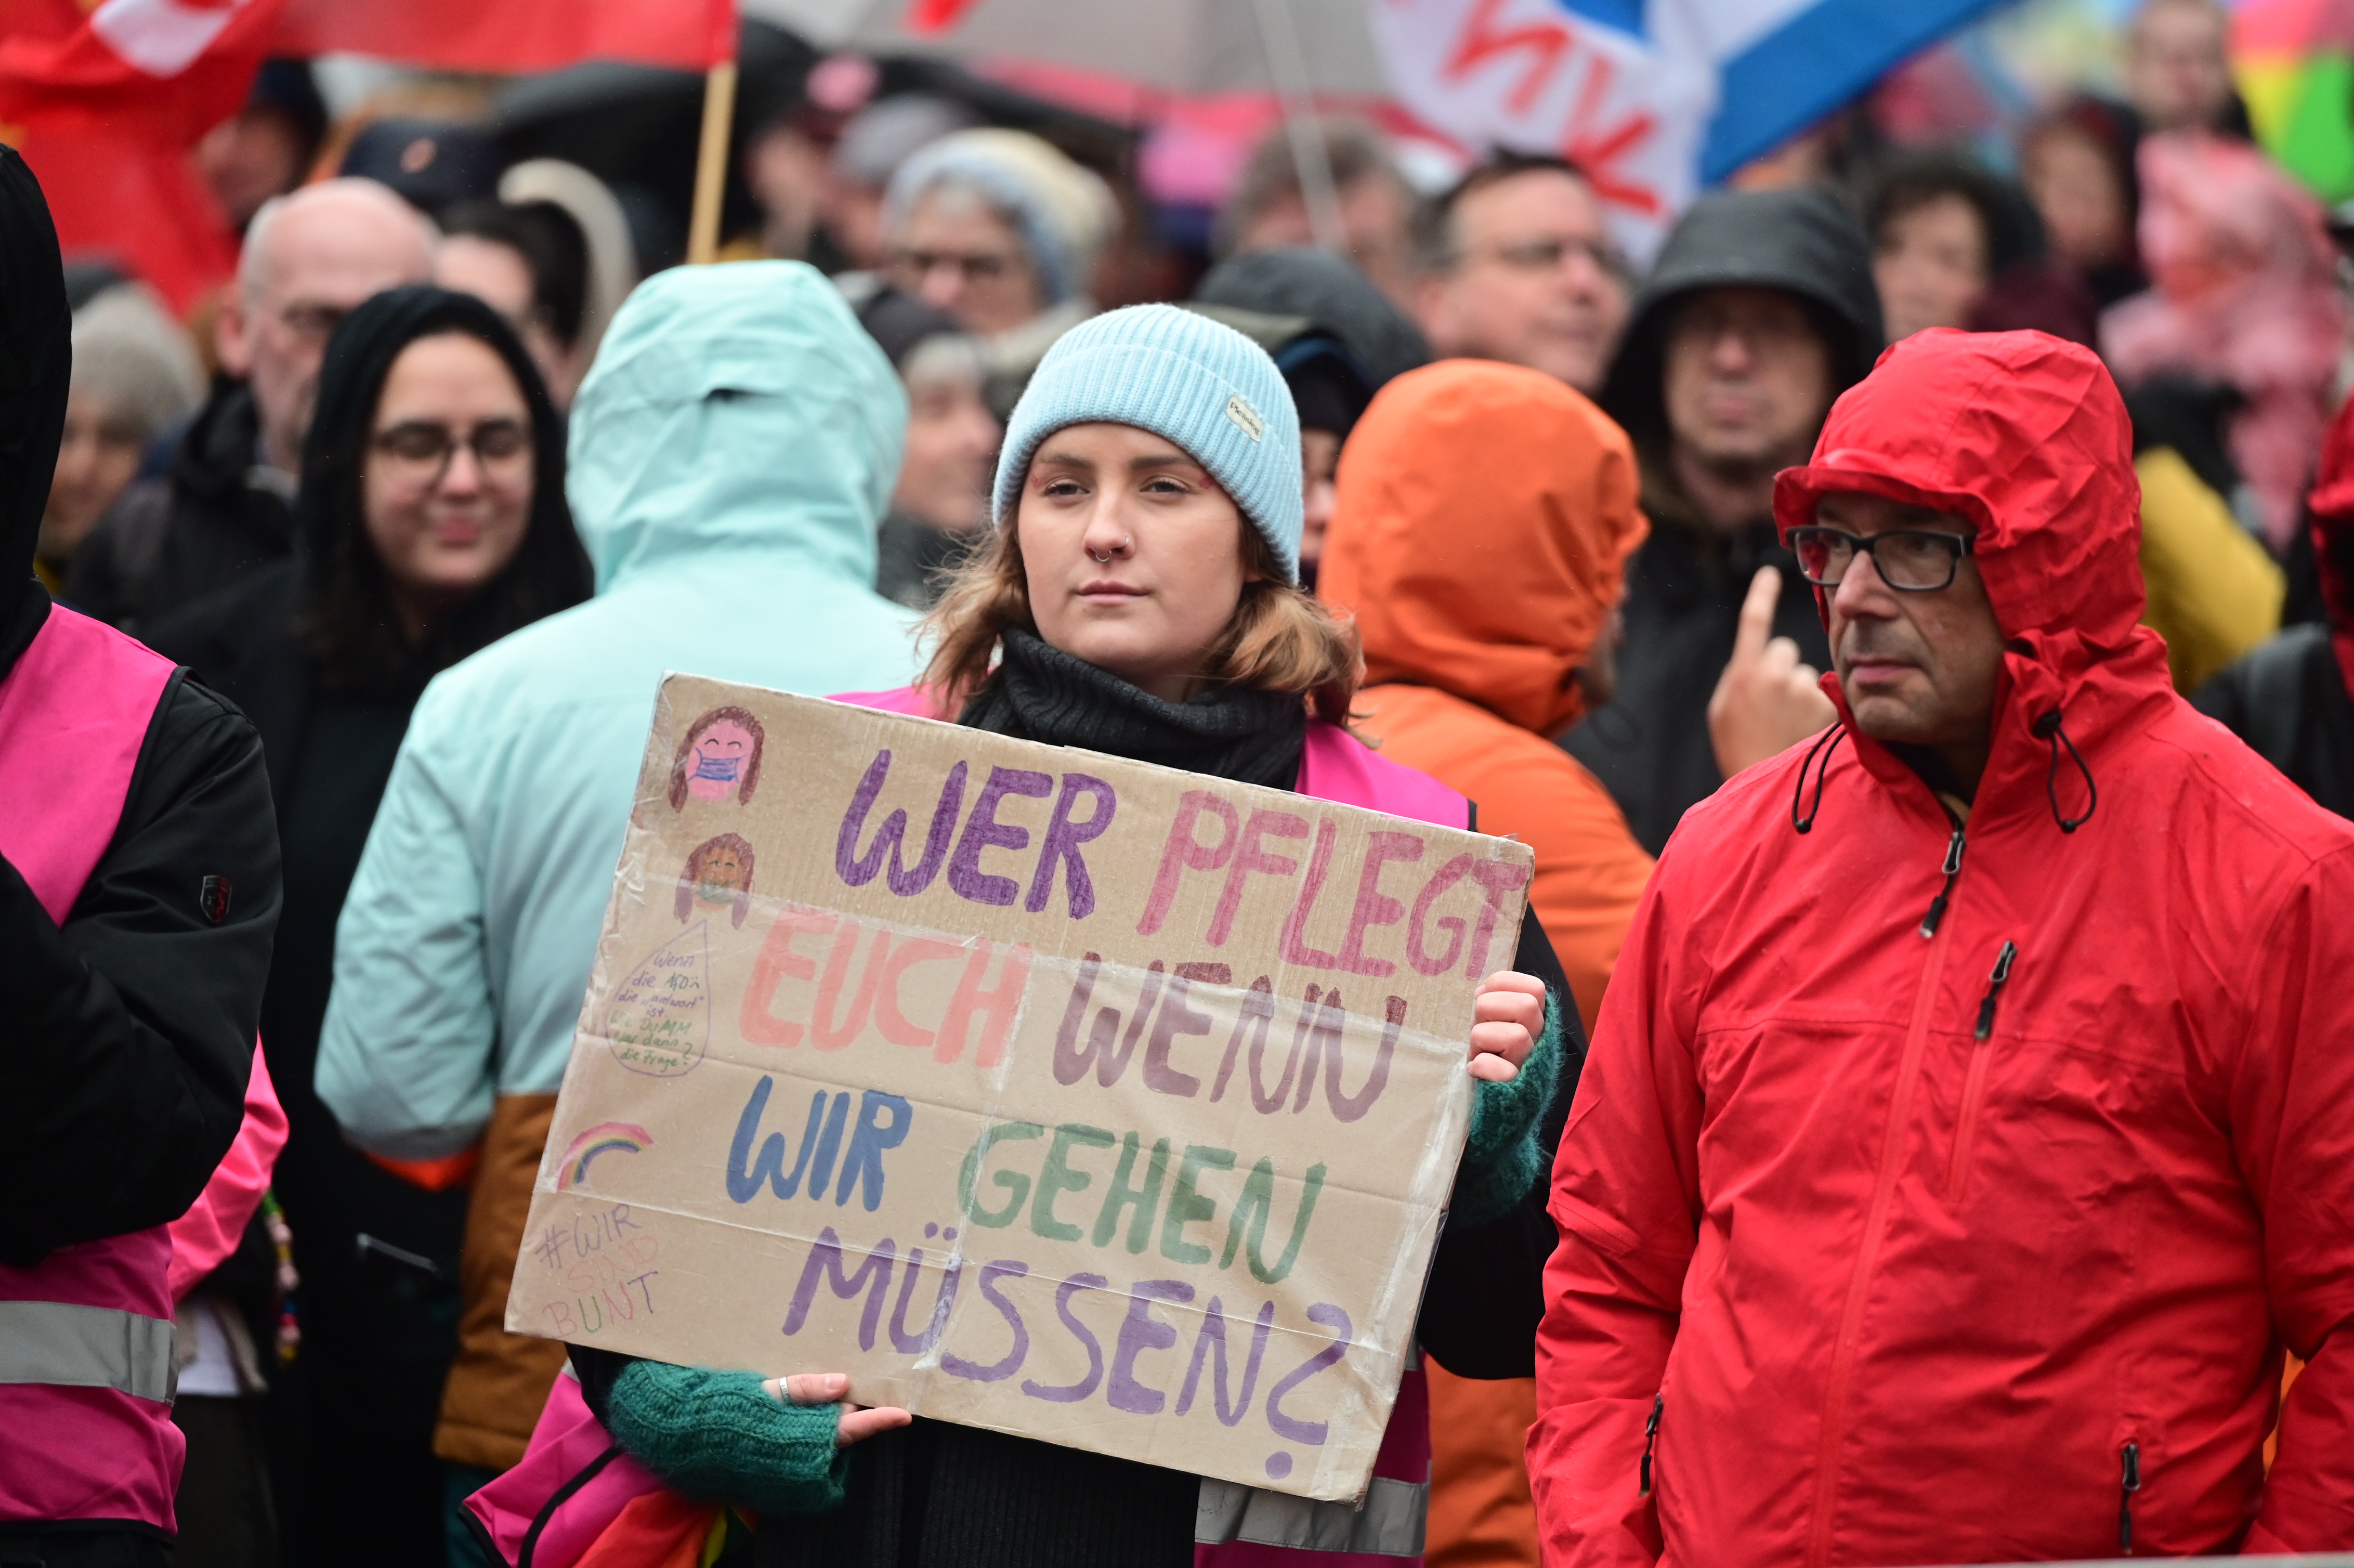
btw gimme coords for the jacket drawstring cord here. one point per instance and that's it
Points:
(2048, 728)
(1825, 744)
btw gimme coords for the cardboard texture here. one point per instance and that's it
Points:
(1102, 1103)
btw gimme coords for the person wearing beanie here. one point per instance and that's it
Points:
(1003, 232)
(135, 378)
(1138, 597)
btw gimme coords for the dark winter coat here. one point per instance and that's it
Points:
(132, 1036)
(2290, 700)
(216, 517)
(1649, 745)
(380, 1312)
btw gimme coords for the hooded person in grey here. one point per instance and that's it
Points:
(1759, 311)
(1337, 339)
(730, 453)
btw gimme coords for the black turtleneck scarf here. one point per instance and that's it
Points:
(1040, 693)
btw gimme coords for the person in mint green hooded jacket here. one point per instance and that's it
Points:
(731, 452)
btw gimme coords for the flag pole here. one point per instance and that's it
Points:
(711, 164)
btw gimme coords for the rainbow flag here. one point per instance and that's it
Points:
(2293, 60)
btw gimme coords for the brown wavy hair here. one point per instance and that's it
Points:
(691, 877)
(678, 767)
(1281, 638)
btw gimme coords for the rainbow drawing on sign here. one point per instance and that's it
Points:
(602, 1138)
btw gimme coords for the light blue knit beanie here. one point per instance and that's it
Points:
(1205, 387)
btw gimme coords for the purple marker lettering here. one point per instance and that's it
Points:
(1312, 1433)
(1352, 1108)
(1269, 1102)
(1177, 1018)
(859, 870)
(1140, 1331)
(956, 1366)
(982, 830)
(1062, 843)
(909, 1344)
(1073, 1393)
(1213, 1332)
(1257, 1010)
(873, 1276)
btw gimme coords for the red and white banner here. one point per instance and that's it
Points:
(510, 36)
(1538, 76)
(158, 71)
(105, 106)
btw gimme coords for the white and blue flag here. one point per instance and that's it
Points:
(1655, 100)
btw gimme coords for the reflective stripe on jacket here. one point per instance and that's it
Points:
(86, 1369)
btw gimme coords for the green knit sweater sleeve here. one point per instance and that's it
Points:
(1502, 1160)
(720, 1436)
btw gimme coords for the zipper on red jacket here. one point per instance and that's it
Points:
(1651, 1441)
(1952, 868)
(1847, 1341)
(1974, 1085)
(2125, 1509)
(1995, 982)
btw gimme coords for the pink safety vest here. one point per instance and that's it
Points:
(574, 1480)
(86, 1365)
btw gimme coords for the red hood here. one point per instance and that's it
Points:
(2026, 436)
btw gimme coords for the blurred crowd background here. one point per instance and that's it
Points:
(2158, 181)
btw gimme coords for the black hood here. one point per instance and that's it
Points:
(356, 635)
(1805, 242)
(36, 365)
(1330, 294)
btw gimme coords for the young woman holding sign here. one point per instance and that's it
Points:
(1141, 598)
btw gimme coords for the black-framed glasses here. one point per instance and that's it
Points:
(420, 451)
(1914, 560)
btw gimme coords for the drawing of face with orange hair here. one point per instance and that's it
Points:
(718, 873)
(719, 760)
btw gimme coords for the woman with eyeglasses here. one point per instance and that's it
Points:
(430, 522)
(1001, 231)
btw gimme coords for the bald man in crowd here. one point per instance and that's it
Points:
(225, 504)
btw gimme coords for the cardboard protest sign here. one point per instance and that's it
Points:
(1038, 1090)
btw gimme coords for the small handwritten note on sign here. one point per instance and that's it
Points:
(1108, 1105)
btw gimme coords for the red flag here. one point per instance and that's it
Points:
(507, 36)
(105, 106)
(159, 72)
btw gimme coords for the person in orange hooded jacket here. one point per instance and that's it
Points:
(1965, 1138)
(1483, 523)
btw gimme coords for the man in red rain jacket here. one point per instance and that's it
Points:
(1969, 1127)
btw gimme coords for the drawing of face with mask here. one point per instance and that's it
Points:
(718, 873)
(719, 760)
